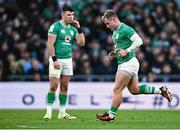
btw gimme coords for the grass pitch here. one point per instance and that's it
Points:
(86, 119)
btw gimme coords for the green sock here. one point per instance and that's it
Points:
(112, 112)
(62, 102)
(145, 89)
(62, 99)
(50, 98)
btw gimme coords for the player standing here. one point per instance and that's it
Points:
(60, 37)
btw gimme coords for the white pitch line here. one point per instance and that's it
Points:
(24, 126)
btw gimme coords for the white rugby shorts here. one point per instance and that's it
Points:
(66, 68)
(130, 67)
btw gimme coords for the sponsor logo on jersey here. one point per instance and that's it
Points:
(62, 31)
(67, 38)
(117, 36)
(66, 43)
(72, 33)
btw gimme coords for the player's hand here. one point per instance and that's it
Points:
(56, 65)
(122, 52)
(76, 24)
(111, 55)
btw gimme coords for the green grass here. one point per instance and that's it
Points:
(126, 119)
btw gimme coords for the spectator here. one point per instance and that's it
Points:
(24, 25)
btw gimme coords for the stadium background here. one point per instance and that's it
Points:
(24, 60)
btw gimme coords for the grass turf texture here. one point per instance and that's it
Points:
(86, 119)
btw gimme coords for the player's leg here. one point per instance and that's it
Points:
(67, 72)
(63, 98)
(134, 88)
(63, 95)
(147, 89)
(132, 67)
(51, 96)
(54, 75)
(121, 81)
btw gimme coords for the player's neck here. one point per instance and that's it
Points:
(66, 24)
(118, 24)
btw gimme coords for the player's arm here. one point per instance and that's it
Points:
(51, 42)
(80, 38)
(134, 37)
(137, 41)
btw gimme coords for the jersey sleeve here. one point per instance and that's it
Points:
(75, 31)
(53, 30)
(128, 31)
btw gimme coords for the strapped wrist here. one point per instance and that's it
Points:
(79, 30)
(54, 58)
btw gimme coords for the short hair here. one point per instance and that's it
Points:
(109, 14)
(66, 8)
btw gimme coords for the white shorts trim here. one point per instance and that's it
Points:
(66, 68)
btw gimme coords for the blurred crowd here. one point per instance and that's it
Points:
(23, 37)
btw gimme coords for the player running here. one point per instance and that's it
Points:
(125, 41)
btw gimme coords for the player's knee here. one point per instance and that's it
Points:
(53, 84)
(54, 81)
(53, 88)
(117, 90)
(64, 89)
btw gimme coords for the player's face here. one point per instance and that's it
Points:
(110, 23)
(68, 17)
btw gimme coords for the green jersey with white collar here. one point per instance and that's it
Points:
(121, 39)
(64, 38)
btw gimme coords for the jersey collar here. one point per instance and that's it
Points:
(66, 26)
(119, 26)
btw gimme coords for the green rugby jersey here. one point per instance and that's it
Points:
(121, 40)
(64, 38)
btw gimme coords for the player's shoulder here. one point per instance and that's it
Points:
(126, 27)
(56, 24)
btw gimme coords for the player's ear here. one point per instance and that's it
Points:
(102, 18)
